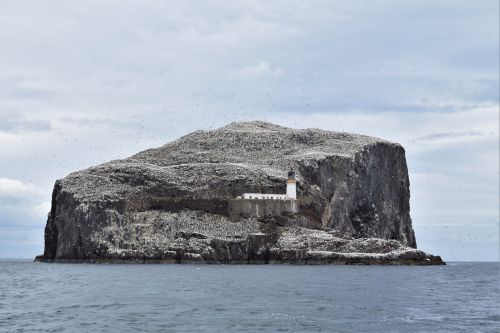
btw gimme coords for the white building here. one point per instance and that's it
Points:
(265, 196)
(291, 191)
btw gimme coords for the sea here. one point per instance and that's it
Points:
(42, 297)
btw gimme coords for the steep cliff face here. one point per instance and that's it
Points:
(171, 203)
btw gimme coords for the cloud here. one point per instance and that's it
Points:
(12, 188)
(24, 125)
(22, 203)
(262, 69)
(448, 135)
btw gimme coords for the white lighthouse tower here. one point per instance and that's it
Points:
(291, 186)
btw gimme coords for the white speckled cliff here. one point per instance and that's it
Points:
(171, 204)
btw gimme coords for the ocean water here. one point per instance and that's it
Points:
(40, 297)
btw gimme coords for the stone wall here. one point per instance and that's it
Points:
(244, 208)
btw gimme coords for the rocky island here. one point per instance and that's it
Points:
(172, 204)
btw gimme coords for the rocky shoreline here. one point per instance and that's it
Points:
(308, 261)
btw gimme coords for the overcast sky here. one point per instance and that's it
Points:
(85, 82)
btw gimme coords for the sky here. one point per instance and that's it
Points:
(85, 82)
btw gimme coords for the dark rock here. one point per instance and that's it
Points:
(171, 204)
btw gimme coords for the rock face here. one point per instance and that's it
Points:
(171, 204)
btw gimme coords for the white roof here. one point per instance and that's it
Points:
(264, 196)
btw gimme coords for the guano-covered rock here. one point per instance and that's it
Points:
(171, 204)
